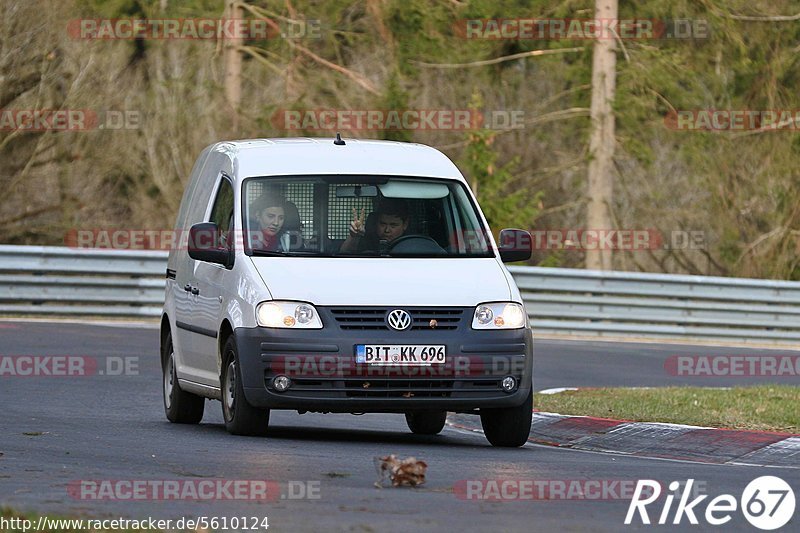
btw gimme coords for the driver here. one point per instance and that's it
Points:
(392, 224)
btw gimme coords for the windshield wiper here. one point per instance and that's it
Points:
(307, 253)
(293, 253)
(269, 253)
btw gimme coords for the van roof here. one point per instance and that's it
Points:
(303, 156)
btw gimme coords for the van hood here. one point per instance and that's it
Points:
(457, 282)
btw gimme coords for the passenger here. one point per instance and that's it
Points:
(270, 214)
(392, 223)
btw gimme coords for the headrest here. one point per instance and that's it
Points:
(292, 217)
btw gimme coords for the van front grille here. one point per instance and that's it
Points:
(374, 318)
(388, 388)
(391, 387)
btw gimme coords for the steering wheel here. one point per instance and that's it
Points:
(415, 244)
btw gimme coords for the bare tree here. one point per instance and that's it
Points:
(233, 63)
(601, 144)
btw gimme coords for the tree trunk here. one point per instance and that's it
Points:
(601, 144)
(233, 65)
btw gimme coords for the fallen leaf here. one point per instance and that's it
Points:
(400, 472)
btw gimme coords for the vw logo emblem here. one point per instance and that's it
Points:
(399, 319)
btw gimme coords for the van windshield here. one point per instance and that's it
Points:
(361, 216)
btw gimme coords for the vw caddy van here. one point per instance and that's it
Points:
(342, 276)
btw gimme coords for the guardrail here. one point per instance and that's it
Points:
(37, 280)
(571, 301)
(44, 280)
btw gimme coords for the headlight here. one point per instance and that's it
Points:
(295, 315)
(501, 315)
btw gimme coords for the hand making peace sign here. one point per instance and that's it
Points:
(357, 225)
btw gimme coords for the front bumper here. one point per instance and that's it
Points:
(325, 377)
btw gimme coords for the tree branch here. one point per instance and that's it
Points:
(30, 214)
(255, 54)
(775, 18)
(359, 79)
(512, 57)
(780, 230)
(572, 112)
(263, 13)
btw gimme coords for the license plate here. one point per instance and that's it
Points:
(400, 354)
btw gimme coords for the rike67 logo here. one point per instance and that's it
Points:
(767, 503)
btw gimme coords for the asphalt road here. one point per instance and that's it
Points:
(615, 364)
(57, 431)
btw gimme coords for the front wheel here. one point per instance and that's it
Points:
(426, 422)
(241, 418)
(181, 407)
(508, 427)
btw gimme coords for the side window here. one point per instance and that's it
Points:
(222, 212)
(468, 225)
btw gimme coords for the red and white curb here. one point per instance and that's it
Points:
(667, 441)
(663, 441)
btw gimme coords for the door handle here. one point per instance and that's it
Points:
(195, 291)
(187, 287)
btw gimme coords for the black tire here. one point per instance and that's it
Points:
(241, 418)
(426, 422)
(508, 427)
(180, 407)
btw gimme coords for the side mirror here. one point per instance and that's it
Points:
(515, 245)
(204, 245)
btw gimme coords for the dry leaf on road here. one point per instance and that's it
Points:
(400, 472)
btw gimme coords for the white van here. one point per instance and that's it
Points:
(342, 276)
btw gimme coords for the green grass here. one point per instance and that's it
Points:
(763, 407)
